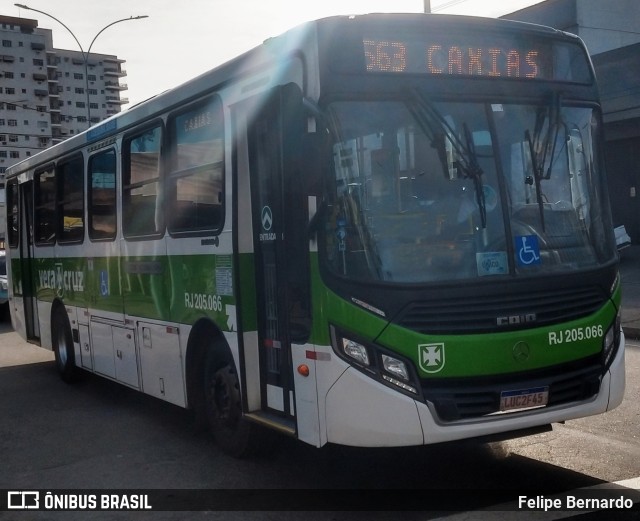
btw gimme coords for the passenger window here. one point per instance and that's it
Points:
(45, 207)
(12, 214)
(197, 169)
(102, 196)
(141, 205)
(71, 201)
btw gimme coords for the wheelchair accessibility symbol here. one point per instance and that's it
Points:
(104, 283)
(527, 250)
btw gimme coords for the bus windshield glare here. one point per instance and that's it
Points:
(428, 191)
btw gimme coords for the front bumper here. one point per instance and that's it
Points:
(360, 411)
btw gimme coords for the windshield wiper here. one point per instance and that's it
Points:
(474, 171)
(537, 177)
(438, 130)
(539, 147)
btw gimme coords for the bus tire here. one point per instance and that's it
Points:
(63, 346)
(223, 403)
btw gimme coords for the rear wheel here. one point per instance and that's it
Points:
(63, 346)
(234, 435)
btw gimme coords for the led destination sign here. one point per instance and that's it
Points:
(499, 57)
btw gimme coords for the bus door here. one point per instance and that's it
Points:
(27, 268)
(281, 262)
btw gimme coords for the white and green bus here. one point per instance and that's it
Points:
(376, 230)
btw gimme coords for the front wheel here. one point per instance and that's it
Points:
(234, 435)
(63, 346)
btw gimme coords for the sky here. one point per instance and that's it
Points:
(182, 39)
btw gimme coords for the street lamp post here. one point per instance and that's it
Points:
(85, 55)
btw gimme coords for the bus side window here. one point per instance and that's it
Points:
(45, 207)
(141, 205)
(70, 201)
(12, 214)
(196, 176)
(102, 196)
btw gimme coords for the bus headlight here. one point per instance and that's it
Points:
(395, 367)
(376, 361)
(611, 341)
(356, 351)
(398, 373)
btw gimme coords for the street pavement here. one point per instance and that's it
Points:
(14, 350)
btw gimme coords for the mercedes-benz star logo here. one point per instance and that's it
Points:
(521, 352)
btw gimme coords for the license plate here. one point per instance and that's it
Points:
(524, 399)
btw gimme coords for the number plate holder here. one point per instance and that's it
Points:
(522, 399)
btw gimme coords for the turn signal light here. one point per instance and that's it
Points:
(303, 369)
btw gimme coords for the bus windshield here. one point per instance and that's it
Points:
(425, 191)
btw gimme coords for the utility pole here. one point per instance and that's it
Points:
(427, 6)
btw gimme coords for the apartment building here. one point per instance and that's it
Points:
(48, 94)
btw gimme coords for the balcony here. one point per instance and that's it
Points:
(39, 76)
(113, 59)
(116, 101)
(57, 135)
(115, 72)
(114, 85)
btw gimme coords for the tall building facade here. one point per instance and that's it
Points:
(48, 94)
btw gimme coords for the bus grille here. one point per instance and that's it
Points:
(481, 314)
(468, 399)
